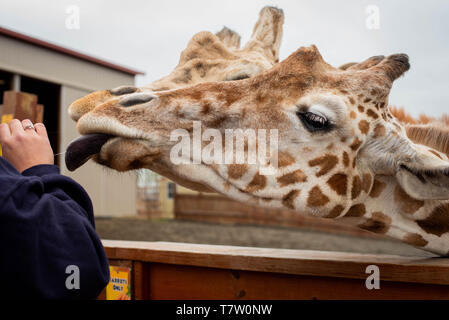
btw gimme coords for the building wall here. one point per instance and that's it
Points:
(112, 194)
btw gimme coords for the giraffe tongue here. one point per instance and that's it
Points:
(83, 148)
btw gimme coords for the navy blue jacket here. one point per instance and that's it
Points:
(46, 226)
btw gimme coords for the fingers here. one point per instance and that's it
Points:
(5, 133)
(41, 130)
(16, 127)
(28, 126)
(19, 127)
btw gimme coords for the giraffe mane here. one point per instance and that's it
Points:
(404, 117)
(425, 130)
(436, 137)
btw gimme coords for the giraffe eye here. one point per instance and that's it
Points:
(314, 122)
(239, 77)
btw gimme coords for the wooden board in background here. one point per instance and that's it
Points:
(39, 114)
(20, 105)
(219, 209)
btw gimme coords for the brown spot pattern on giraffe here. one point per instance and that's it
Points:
(206, 108)
(378, 223)
(379, 131)
(366, 182)
(406, 203)
(351, 100)
(236, 171)
(356, 144)
(326, 164)
(357, 210)
(285, 159)
(289, 199)
(339, 183)
(293, 177)
(258, 183)
(372, 114)
(437, 222)
(335, 212)
(354, 162)
(415, 239)
(352, 115)
(364, 126)
(345, 159)
(356, 187)
(317, 198)
(378, 187)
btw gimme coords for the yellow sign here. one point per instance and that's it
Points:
(119, 286)
(6, 118)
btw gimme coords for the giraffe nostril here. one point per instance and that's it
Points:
(135, 99)
(119, 91)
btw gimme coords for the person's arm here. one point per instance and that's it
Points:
(47, 231)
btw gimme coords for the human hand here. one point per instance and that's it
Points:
(25, 145)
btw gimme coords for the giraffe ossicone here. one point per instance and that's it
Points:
(341, 153)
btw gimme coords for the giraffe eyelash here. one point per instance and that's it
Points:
(314, 122)
(316, 118)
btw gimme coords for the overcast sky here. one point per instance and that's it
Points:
(149, 35)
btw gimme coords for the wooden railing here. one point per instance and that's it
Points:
(164, 270)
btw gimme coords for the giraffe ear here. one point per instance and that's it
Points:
(267, 33)
(392, 66)
(229, 37)
(426, 178)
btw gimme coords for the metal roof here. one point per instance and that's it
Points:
(47, 45)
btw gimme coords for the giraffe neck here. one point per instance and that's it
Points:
(390, 211)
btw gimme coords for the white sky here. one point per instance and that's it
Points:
(149, 35)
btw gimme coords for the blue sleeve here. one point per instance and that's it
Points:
(47, 235)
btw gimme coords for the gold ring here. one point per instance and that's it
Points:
(30, 126)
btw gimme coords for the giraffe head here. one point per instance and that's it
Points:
(335, 134)
(209, 58)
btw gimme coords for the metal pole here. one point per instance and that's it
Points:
(16, 82)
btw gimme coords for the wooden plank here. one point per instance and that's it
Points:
(20, 104)
(140, 281)
(102, 295)
(169, 282)
(39, 114)
(284, 261)
(120, 263)
(217, 208)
